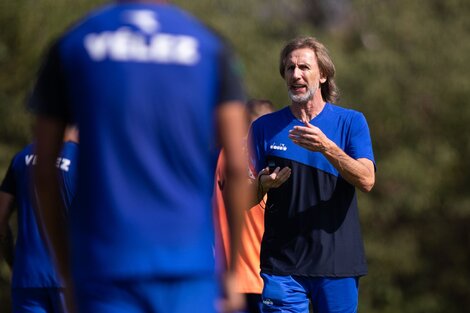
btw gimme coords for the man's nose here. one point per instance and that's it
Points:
(297, 73)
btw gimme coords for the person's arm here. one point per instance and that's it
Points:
(49, 132)
(50, 208)
(49, 102)
(6, 238)
(265, 181)
(358, 172)
(231, 129)
(266, 178)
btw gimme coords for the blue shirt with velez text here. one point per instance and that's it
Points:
(33, 267)
(143, 82)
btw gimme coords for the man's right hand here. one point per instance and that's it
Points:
(274, 179)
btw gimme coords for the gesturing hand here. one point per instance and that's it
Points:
(309, 137)
(274, 179)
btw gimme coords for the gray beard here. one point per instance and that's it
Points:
(303, 98)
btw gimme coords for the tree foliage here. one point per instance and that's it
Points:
(405, 64)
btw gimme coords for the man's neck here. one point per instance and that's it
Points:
(307, 111)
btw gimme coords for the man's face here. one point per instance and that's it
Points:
(302, 75)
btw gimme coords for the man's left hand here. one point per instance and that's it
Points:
(309, 137)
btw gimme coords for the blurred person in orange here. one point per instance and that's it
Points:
(248, 279)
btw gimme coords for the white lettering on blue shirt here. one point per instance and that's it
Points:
(61, 163)
(126, 45)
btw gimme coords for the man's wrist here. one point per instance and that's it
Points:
(328, 147)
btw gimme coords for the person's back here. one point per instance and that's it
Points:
(143, 82)
(157, 168)
(32, 266)
(35, 284)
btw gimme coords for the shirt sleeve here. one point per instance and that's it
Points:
(9, 184)
(255, 144)
(360, 143)
(48, 96)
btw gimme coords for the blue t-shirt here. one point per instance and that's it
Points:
(33, 266)
(143, 82)
(311, 221)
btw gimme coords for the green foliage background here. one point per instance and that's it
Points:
(404, 64)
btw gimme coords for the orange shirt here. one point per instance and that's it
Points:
(248, 263)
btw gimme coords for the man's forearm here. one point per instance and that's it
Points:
(359, 173)
(50, 208)
(256, 192)
(52, 218)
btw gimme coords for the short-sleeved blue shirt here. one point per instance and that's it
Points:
(143, 82)
(311, 221)
(33, 266)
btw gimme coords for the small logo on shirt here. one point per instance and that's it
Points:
(275, 146)
(267, 302)
(146, 20)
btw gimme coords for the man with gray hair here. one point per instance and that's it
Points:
(311, 156)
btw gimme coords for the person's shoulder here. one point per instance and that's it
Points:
(70, 145)
(340, 109)
(197, 27)
(27, 151)
(344, 111)
(273, 116)
(77, 25)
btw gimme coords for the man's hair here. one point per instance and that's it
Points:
(254, 107)
(329, 90)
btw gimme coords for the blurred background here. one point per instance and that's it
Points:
(404, 64)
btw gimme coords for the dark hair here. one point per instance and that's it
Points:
(253, 105)
(254, 108)
(329, 90)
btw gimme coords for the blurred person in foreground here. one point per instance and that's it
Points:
(153, 91)
(248, 280)
(311, 157)
(35, 284)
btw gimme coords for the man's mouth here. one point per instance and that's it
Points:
(298, 88)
